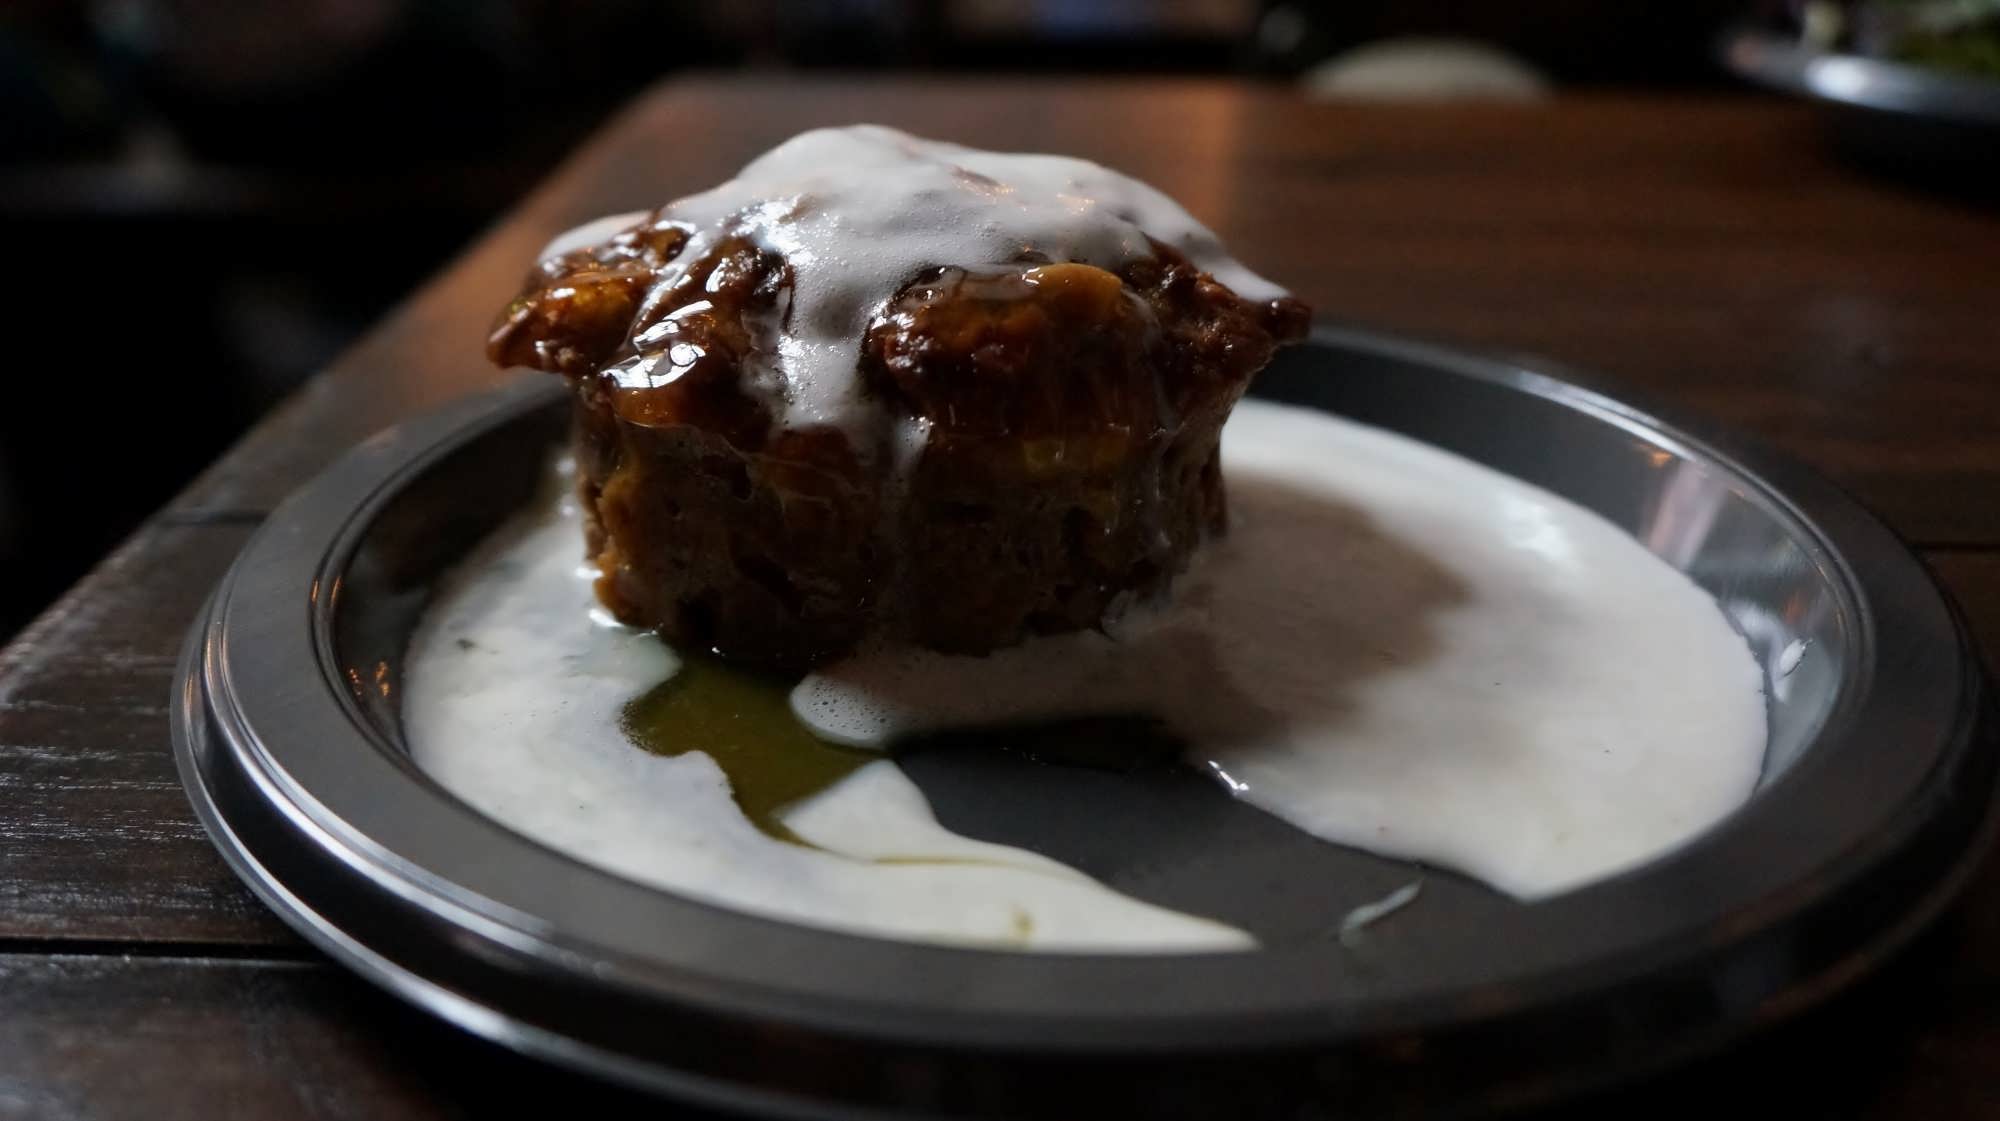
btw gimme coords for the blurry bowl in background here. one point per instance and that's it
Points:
(1899, 116)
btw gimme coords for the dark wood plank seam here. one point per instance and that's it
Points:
(134, 948)
(194, 960)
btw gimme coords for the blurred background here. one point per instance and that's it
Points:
(208, 198)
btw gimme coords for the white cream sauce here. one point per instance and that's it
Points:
(1400, 650)
(514, 689)
(859, 212)
(1393, 648)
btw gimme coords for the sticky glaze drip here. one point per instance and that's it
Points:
(859, 212)
(743, 721)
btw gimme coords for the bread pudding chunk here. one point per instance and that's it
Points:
(883, 388)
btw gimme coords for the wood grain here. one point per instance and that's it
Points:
(1703, 253)
(167, 1038)
(202, 1039)
(97, 841)
(1973, 579)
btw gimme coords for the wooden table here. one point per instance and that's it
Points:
(1707, 253)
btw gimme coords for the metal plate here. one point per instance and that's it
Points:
(1890, 113)
(1875, 797)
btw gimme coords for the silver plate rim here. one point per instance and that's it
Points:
(211, 731)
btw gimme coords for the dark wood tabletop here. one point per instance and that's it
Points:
(1706, 253)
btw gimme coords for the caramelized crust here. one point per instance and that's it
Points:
(1050, 444)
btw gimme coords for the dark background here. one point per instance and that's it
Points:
(207, 198)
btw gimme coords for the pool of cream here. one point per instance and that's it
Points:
(1393, 648)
